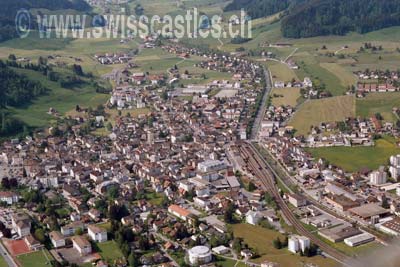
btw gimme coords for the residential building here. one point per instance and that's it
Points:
(97, 234)
(81, 245)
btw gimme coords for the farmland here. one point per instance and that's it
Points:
(313, 112)
(353, 159)
(285, 96)
(378, 103)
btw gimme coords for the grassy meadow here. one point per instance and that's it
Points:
(313, 112)
(261, 239)
(353, 159)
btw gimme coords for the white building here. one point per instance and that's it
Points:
(211, 166)
(378, 177)
(253, 217)
(81, 245)
(57, 239)
(97, 234)
(70, 229)
(395, 160)
(394, 172)
(298, 243)
(9, 197)
(21, 223)
(357, 240)
(199, 255)
(307, 82)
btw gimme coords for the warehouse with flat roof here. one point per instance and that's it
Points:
(358, 240)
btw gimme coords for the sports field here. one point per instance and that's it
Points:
(39, 258)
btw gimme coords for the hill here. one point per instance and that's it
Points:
(309, 18)
(259, 8)
(9, 9)
(338, 17)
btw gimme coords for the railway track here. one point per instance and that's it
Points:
(257, 166)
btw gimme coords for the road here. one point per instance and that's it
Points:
(10, 261)
(263, 107)
(260, 170)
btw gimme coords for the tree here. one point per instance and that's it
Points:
(13, 182)
(39, 235)
(77, 69)
(12, 57)
(79, 231)
(237, 245)
(109, 127)
(277, 243)
(228, 215)
(252, 187)
(7, 233)
(5, 183)
(132, 260)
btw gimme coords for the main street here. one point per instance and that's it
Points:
(263, 107)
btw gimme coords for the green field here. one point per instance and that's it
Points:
(281, 72)
(378, 103)
(62, 99)
(223, 262)
(3, 262)
(313, 112)
(109, 251)
(261, 239)
(352, 159)
(285, 96)
(346, 78)
(39, 258)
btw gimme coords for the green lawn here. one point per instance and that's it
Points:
(62, 99)
(310, 67)
(353, 251)
(155, 198)
(281, 72)
(261, 239)
(106, 225)
(109, 251)
(378, 102)
(220, 261)
(353, 159)
(40, 258)
(3, 262)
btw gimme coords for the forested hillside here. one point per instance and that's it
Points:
(338, 17)
(17, 90)
(9, 9)
(308, 18)
(259, 8)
